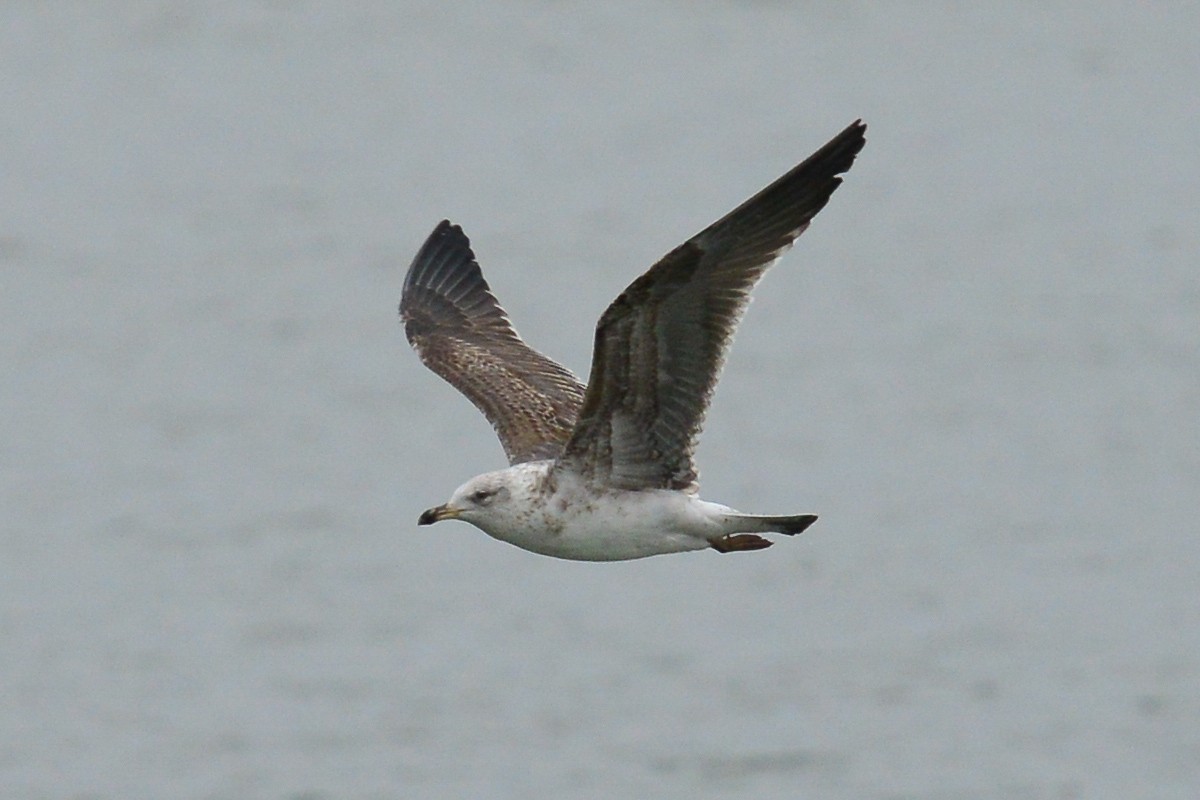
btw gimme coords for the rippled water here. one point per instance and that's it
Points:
(980, 367)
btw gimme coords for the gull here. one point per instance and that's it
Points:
(605, 472)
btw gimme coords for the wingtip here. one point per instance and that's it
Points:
(446, 247)
(851, 141)
(443, 228)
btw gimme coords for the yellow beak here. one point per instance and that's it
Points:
(432, 515)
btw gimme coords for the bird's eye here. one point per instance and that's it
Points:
(481, 495)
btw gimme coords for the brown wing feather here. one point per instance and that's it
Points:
(660, 346)
(459, 330)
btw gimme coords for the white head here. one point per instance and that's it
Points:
(476, 500)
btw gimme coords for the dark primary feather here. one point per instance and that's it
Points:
(659, 347)
(460, 332)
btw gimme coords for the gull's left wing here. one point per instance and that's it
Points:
(659, 347)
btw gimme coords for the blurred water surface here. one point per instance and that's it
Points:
(981, 367)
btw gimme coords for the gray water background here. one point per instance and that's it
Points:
(981, 367)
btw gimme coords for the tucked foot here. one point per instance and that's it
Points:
(739, 541)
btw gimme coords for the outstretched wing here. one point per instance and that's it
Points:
(460, 332)
(660, 346)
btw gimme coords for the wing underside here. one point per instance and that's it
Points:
(660, 345)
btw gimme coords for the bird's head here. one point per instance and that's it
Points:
(471, 501)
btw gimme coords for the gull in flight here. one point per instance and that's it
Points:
(604, 472)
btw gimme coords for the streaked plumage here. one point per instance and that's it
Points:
(460, 332)
(606, 472)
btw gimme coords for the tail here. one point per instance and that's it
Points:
(742, 528)
(755, 523)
